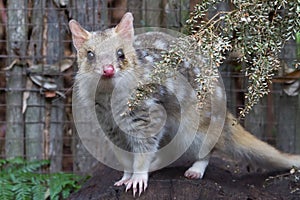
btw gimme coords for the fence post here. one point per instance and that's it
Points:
(256, 120)
(152, 10)
(136, 8)
(297, 141)
(177, 12)
(16, 48)
(286, 107)
(55, 52)
(35, 111)
(286, 122)
(297, 136)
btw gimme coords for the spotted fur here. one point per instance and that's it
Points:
(156, 121)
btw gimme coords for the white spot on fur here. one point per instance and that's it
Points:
(137, 43)
(196, 70)
(149, 58)
(144, 53)
(213, 119)
(186, 64)
(219, 92)
(159, 44)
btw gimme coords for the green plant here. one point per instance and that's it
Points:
(254, 31)
(20, 180)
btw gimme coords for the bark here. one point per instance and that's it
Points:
(55, 52)
(152, 13)
(136, 8)
(35, 112)
(16, 48)
(177, 12)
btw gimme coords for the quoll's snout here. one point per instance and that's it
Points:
(108, 71)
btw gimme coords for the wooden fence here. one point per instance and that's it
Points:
(37, 82)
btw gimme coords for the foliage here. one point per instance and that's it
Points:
(185, 51)
(20, 180)
(256, 31)
(253, 31)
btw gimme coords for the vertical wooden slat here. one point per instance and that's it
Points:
(152, 12)
(230, 85)
(172, 12)
(184, 12)
(103, 21)
(16, 48)
(297, 139)
(176, 13)
(256, 120)
(34, 126)
(297, 134)
(55, 52)
(92, 14)
(286, 122)
(229, 70)
(14, 145)
(35, 112)
(286, 106)
(136, 8)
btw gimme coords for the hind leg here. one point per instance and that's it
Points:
(196, 171)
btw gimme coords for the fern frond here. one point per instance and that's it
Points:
(20, 181)
(6, 189)
(22, 191)
(32, 166)
(2, 163)
(39, 192)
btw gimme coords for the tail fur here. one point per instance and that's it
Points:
(237, 142)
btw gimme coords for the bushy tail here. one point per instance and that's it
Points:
(237, 142)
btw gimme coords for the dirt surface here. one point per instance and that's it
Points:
(224, 179)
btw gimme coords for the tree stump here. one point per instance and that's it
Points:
(224, 179)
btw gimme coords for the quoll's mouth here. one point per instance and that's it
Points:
(108, 71)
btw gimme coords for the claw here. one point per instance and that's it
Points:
(140, 187)
(124, 180)
(129, 184)
(138, 182)
(120, 182)
(143, 186)
(134, 188)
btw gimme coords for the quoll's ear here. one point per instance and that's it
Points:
(79, 34)
(125, 27)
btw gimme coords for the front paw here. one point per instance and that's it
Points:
(138, 182)
(124, 179)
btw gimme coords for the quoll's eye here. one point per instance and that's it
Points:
(90, 55)
(120, 54)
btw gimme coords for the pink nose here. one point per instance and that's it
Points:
(108, 71)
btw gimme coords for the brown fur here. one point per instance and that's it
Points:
(238, 142)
